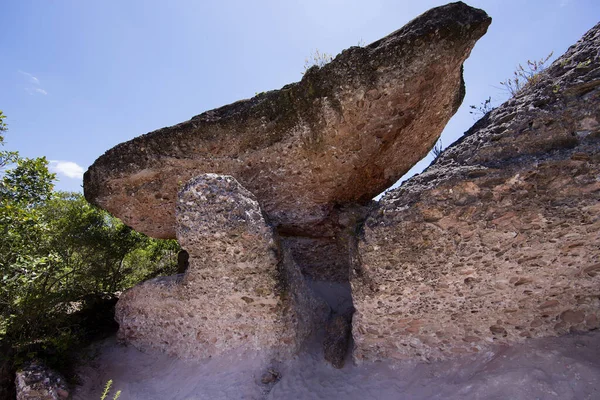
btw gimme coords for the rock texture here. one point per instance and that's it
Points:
(239, 292)
(337, 138)
(36, 382)
(338, 332)
(266, 194)
(499, 239)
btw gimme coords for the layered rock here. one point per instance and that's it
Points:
(499, 239)
(238, 291)
(335, 139)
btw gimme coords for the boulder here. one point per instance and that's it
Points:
(239, 292)
(35, 381)
(498, 240)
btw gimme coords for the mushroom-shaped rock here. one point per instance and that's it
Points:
(235, 293)
(344, 133)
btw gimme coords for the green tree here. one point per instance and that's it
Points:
(57, 252)
(24, 185)
(6, 157)
(28, 183)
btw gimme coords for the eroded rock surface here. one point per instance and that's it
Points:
(240, 291)
(338, 137)
(275, 187)
(338, 332)
(499, 239)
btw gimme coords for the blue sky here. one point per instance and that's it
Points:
(78, 77)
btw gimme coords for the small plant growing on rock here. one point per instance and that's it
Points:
(317, 59)
(107, 390)
(584, 64)
(437, 149)
(483, 108)
(523, 76)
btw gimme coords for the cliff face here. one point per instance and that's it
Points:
(499, 239)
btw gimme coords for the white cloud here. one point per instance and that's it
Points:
(34, 84)
(36, 90)
(67, 168)
(564, 3)
(32, 79)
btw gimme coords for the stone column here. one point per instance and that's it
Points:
(238, 292)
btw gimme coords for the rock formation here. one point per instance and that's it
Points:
(499, 239)
(274, 188)
(232, 296)
(338, 137)
(35, 381)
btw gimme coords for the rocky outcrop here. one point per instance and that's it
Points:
(499, 239)
(266, 194)
(335, 139)
(238, 292)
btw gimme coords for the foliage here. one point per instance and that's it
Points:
(523, 76)
(6, 157)
(28, 182)
(107, 390)
(57, 252)
(64, 250)
(437, 149)
(317, 59)
(3, 127)
(482, 109)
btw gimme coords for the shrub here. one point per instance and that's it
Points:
(59, 258)
(523, 76)
(317, 59)
(437, 149)
(483, 108)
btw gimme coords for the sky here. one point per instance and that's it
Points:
(78, 77)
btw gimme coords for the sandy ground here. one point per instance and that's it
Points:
(555, 368)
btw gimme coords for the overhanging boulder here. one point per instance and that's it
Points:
(341, 135)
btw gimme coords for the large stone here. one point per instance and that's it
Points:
(499, 239)
(240, 291)
(35, 381)
(340, 136)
